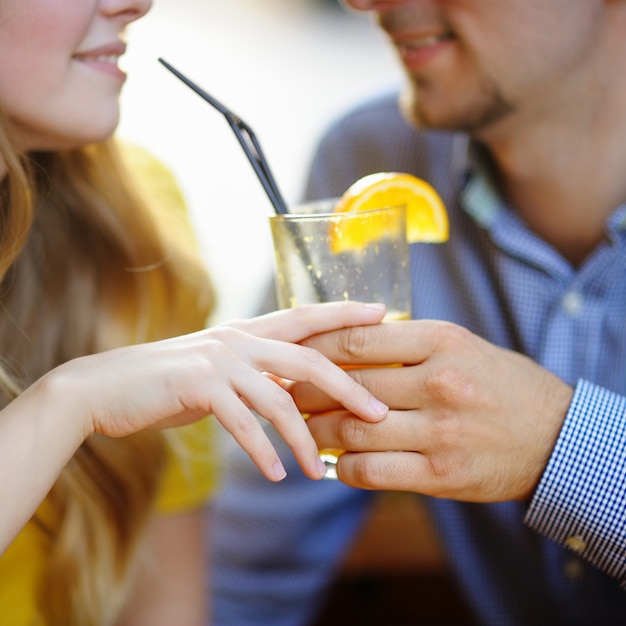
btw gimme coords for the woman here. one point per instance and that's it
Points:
(101, 519)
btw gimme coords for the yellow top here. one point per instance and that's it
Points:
(188, 481)
(187, 485)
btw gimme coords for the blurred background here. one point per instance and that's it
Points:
(288, 68)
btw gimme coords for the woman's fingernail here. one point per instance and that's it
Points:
(378, 406)
(321, 468)
(279, 471)
(377, 306)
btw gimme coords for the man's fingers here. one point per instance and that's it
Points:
(398, 471)
(400, 430)
(405, 342)
(408, 450)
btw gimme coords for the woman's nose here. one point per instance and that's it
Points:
(130, 10)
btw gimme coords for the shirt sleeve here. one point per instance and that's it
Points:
(581, 499)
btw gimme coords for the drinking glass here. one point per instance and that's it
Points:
(327, 256)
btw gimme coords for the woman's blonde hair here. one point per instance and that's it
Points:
(84, 267)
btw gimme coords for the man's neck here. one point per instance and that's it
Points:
(563, 165)
(565, 179)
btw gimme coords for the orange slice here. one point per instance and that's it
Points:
(427, 218)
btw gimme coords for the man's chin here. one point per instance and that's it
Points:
(416, 113)
(473, 120)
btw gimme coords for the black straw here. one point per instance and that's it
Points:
(247, 139)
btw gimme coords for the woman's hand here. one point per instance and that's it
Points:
(226, 371)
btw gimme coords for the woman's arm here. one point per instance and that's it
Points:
(221, 371)
(39, 434)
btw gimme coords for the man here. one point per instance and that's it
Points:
(512, 411)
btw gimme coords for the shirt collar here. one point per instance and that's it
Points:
(481, 199)
(479, 196)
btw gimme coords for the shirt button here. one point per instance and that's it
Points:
(576, 543)
(573, 569)
(573, 302)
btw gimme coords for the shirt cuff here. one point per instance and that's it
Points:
(581, 499)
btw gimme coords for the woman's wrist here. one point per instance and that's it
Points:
(39, 433)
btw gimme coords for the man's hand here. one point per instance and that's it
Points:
(470, 421)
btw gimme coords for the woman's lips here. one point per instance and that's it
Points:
(104, 58)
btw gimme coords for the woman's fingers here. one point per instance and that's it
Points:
(245, 428)
(271, 401)
(306, 365)
(274, 404)
(294, 325)
(394, 386)
(298, 363)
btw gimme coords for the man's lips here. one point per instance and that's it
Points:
(418, 49)
(408, 42)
